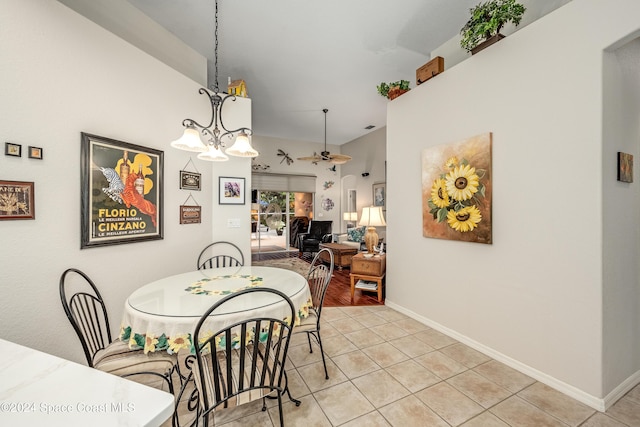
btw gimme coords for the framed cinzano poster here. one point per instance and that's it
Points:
(121, 192)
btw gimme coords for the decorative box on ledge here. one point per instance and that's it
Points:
(430, 69)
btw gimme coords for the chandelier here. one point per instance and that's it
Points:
(325, 156)
(212, 149)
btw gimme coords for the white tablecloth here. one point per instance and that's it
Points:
(162, 315)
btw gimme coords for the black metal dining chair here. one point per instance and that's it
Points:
(319, 277)
(220, 254)
(244, 361)
(86, 310)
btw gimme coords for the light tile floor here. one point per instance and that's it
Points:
(387, 369)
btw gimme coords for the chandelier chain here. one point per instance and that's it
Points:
(215, 50)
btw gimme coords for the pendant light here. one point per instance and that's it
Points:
(211, 150)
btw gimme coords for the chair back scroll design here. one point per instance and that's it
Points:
(88, 315)
(217, 255)
(319, 277)
(244, 361)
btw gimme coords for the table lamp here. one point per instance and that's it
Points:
(350, 218)
(372, 217)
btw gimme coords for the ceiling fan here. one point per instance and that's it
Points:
(325, 156)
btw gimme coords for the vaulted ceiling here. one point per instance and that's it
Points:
(298, 57)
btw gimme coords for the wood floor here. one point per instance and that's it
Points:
(339, 291)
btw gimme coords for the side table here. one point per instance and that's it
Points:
(372, 269)
(342, 254)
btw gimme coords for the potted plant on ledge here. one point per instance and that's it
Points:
(487, 19)
(393, 90)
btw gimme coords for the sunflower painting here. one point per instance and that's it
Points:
(456, 190)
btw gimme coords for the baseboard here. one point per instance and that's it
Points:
(596, 403)
(621, 390)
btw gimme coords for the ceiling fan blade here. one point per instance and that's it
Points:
(310, 158)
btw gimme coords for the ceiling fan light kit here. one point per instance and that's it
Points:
(212, 150)
(326, 156)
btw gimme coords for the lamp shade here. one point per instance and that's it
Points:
(242, 147)
(372, 217)
(213, 154)
(350, 216)
(190, 141)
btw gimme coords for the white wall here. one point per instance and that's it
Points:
(534, 298)
(61, 75)
(125, 20)
(369, 155)
(621, 206)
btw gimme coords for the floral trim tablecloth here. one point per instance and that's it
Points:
(174, 334)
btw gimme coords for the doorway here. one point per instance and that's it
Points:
(272, 217)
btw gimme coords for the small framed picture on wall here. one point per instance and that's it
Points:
(35, 153)
(380, 194)
(232, 191)
(625, 167)
(11, 149)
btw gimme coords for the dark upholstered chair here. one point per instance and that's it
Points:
(319, 232)
(298, 224)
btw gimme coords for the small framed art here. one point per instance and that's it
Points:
(625, 167)
(35, 153)
(232, 191)
(11, 149)
(17, 200)
(380, 194)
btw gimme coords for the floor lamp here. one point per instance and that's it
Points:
(371, 218)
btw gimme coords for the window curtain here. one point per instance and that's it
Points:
(283, 182)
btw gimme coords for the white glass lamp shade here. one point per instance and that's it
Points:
(372, 217)
(339, 161)
(213, 154)
(242, 147)
(190, 141)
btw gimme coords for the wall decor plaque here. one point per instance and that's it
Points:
(190, 214)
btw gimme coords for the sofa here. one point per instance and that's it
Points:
(353, 237)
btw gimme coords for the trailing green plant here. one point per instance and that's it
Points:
(383, 88)
(487, 19)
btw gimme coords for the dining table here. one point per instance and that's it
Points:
(161, 315)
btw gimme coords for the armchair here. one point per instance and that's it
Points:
(319, 232)
(298, 224)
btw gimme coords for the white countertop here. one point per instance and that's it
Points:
(37, 388)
